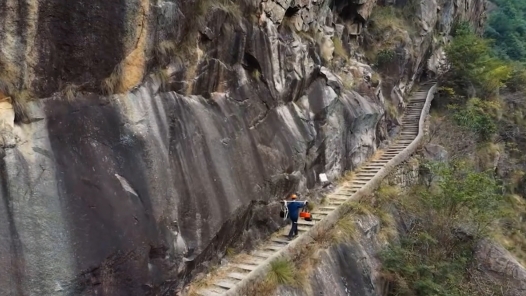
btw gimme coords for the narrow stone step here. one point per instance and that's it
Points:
(328, 208)
(308, 223)
(359, 180)
(303, 229)
(363, 179)
(262, 254)
(253, 260)
(336, 202)
(225, 284)
(366, 174)
(280, 241)
(209, 292)
(272, 247)
(340, 196)
(380, 161)
(236, 275)
(347, 189)
(343, 196)
(245, 267)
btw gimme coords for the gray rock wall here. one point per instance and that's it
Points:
(405, 175)
(137, 182)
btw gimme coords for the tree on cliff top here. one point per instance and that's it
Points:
(507, 25)
(473, 64)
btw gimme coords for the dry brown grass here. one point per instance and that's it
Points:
(344, 231)
(376, 155)
(339, 49)
(20, 102)
(112, 84)
(213, 275)
(487, 154)
(348, 176)
(387, 193)
(375, 79)
(388, 28)
(166, 51)
(69, 92)
(391, 109)
(12, 87)
(164, 78)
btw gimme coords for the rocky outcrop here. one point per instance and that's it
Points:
(496, 266)
(346, 268)
(131, 193)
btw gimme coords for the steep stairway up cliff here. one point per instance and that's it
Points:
(240, 269)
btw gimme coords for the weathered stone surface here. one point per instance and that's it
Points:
(497, 267)
(347, 268)
(435, 152)
(125, 182)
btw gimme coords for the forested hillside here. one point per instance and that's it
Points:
(507, 26)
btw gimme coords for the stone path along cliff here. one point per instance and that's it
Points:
(229, 279)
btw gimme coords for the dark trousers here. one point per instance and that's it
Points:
(294, 229)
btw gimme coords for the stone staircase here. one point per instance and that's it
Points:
(225, 280)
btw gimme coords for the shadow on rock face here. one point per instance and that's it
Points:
(79, 41)
(100, 166)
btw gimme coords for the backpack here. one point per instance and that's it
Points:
(284, 213)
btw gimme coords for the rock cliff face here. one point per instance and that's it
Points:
(130, 193)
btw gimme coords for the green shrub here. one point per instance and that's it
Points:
(477, 116)
(432, 258)
(517, 80)
(472, 62)
(385, 56)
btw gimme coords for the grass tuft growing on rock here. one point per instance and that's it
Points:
(20, 103)
(112, 84)
(339, 49)
(282, 273)
(70, 92)
(228, 6)
(387, 193)
(344, 230)
(12, 87)
(164, 78)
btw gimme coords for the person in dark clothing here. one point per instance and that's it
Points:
(294, 207)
